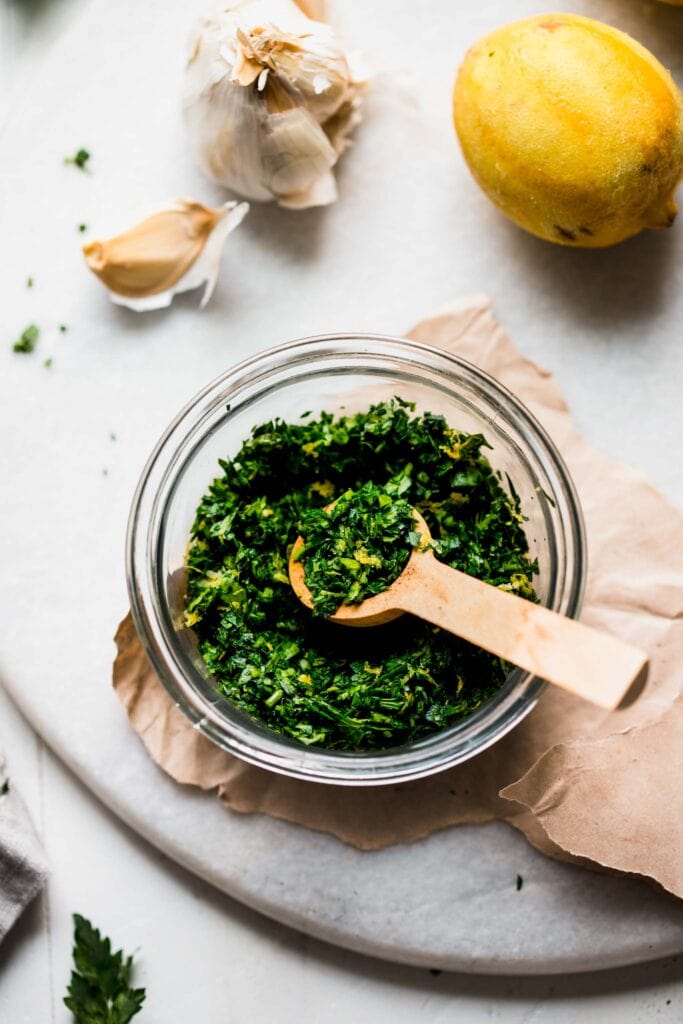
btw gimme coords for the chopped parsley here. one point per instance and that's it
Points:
(82, 228)
(29, 282)
(358, 547)
(63, 328)
(27, 341)
(4, 789)
(79, 159)
(520, 882)
(48, 363)
(315, 681)
(100, 991)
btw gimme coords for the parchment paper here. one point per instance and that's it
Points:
(602, 789)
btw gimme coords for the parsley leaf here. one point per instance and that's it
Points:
(79, 159)
(27, 341)
(99, 991)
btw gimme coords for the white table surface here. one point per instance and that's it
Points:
(202, 956)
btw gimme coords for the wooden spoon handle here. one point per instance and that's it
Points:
(588, 663)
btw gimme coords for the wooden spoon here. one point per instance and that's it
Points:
(588, 663)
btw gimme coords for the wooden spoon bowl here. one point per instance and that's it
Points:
(373, 611)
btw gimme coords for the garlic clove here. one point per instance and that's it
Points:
(320, 192)
(338, 129)
(174, 250)
(296, 153)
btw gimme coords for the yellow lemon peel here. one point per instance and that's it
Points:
(572, 128)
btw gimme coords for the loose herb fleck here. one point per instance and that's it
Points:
(82, 228)
(27, 341)
(520, 882)
(4, 789)
(79, 159)
(63, 328)
(29, 282)
(358, 547)
(315, 681)
(100, 991)
(48, 363)
(112, 437)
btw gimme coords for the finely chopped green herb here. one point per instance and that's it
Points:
(358, 546)
(27, 340)
(317, 682)
(79, 159)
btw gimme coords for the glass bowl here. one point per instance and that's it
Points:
(326, 373)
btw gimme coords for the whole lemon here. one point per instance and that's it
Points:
(572, 128)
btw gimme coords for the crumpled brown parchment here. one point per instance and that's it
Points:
(597, 788)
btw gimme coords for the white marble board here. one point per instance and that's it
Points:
(410, 232)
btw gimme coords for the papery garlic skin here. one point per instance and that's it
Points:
(175, 249)
(270, 100)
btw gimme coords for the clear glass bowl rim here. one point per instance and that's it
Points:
(262, 747)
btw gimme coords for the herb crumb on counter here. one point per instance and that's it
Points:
(79, 159)
(27, 340)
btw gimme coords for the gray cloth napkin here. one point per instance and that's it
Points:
(23, 867)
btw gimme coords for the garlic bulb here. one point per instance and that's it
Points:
(174, 250)
(270, 100)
